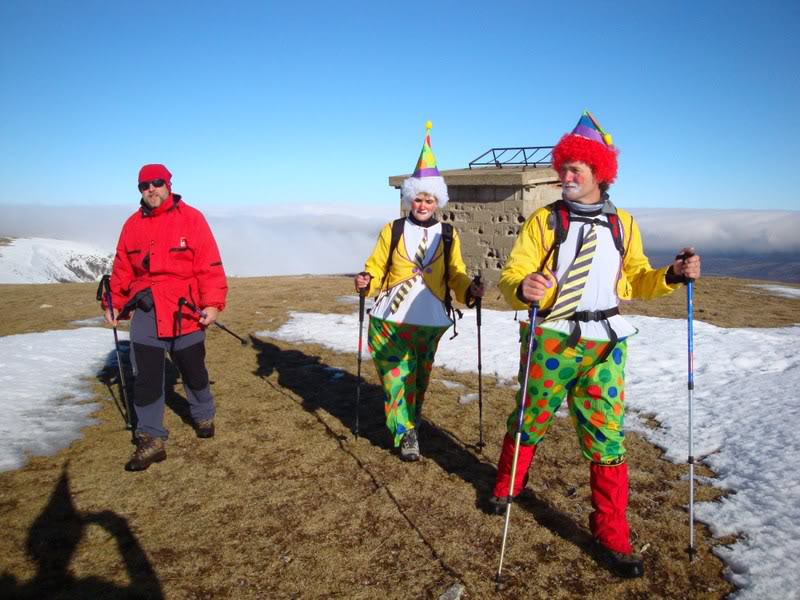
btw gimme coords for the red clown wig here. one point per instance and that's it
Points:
(601, 158)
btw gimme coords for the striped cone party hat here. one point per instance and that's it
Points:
(426, 177)
(426, 165)
(589, 128)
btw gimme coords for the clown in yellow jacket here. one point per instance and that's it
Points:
(412, 279)
(580, 343)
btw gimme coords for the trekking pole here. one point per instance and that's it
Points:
(193, 308)
(517, 440)
(362, 295)
(104, 290)
(690, 387)
(477, 304)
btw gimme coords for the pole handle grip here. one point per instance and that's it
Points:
(363, 291)
(473, 302)
(104, 287)
(184, 302)
(684, 256)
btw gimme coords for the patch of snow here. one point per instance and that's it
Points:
(467, 398)
(353, 299)
(780, 290)
(43, 377)
(93, 322)
(450, 385)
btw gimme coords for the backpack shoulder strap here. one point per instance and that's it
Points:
(616, 232)
(615, 225)
(558, 221)
(559, 213)
(397, 232)
(447, 237)
(447, 240)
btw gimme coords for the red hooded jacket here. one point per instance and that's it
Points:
(171, 250)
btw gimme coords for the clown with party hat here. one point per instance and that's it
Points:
(414, 267)
(576, 259)
(590, 144)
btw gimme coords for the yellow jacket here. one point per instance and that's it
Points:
(402, 267)
(636, 278)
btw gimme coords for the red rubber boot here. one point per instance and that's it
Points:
(502, 483)
(608, 522)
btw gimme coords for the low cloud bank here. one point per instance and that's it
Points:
(318, 244)
(335, 239)
(721, 232)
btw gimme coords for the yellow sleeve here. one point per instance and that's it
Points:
(526, 257)
(459, 281)
(376, 263)
(646, 282)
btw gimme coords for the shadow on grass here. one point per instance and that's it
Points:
(52, 540)
(110, 377)
(322, 387)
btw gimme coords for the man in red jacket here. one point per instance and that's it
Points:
(166, 252)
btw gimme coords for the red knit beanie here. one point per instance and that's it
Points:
(151, 172)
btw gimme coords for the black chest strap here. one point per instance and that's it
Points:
(585, 316)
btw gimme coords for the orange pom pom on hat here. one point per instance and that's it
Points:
(588, 143)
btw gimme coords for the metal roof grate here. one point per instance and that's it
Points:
(532, 156)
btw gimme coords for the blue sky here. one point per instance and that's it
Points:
(260, 103)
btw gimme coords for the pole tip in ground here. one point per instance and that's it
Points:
(499, 583)
(691, 552)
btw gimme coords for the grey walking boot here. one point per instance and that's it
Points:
(409, 446)
(149, 450)
(204, 428)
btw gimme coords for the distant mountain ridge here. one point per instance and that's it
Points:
(44, 260)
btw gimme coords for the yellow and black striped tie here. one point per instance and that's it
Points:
(575, 279)
(405, 287)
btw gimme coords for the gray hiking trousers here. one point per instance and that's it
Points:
(148, 355)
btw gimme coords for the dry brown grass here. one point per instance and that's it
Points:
(285, 503)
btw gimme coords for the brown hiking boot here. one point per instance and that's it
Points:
(149, 450)
(204, 428)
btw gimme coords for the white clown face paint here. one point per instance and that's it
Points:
(578, 183)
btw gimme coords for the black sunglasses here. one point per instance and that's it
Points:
(157, 183)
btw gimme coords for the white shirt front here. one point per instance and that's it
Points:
(420, 306)
(600, 290)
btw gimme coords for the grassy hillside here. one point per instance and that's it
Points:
(285, 503)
